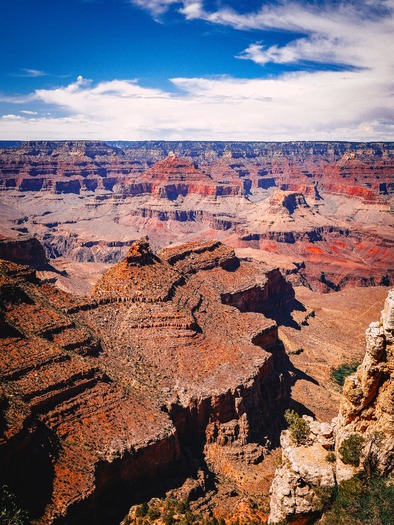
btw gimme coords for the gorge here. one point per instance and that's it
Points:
(179, 298)
(322, 212)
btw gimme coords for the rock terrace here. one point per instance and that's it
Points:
(105, 396)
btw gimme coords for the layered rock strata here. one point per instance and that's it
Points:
(366, 411)
(75, 166)
(108, 398)
(322, 211)
(23, 251)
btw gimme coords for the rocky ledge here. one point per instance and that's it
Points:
(321, 459)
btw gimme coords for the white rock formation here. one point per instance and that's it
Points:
(367, 409)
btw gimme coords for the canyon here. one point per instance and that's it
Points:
(180, 296)
(107, 397)
(321, 212)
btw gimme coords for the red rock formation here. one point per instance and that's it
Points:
(101, 396)
(354, 169)
(173, 177)
(289, 200)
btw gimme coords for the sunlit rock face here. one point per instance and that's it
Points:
(108, 397)
(320, 211)
(366, 410)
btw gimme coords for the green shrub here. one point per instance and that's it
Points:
(362, 501)
(142, 510)
(325, 496)
(338, 375)
(188, 518)
(182, 506)
(10, 511)
(298, 427)
(153, 513)
(331, 457)
(350, 449)
(168, 518)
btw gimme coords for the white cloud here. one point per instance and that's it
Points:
(17, 99)
(31, 73)
(300, 106)
(11, 117)
(290, 15)
(320, 105)
(337, 33)
(313, 49)
(359, 33)
(156, 7)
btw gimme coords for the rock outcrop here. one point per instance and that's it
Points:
(304, 469)
(113, 397)
(367, 406)
(366, 411)
(23, 251)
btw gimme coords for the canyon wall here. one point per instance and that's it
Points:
(321, 211)
(113, 397)
(362, 170)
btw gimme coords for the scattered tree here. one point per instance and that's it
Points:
(338, 375)
(11, 512)
(298, 427)
(331, 457)
(351, 448)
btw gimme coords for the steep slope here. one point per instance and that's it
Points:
(112, 397)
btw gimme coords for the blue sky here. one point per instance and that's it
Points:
(196, 69)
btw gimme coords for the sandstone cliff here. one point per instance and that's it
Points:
(366, 411)
(117, 396)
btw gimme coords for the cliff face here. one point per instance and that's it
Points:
(23, 251)
(367, 405)
(326, 206)
(366, 411)
(111, 397)
(354, 169)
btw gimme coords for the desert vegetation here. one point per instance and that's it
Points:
(298, 427)
(339, 374)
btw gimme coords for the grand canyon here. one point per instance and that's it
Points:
(165, 304)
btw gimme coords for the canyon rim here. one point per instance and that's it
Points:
(164, 305)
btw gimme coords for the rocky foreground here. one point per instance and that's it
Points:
(359, 440)
(322, 212)
(171, 374)
(108, 399)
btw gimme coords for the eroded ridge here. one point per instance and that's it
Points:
(104, 400)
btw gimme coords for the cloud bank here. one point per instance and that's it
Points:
(350, 102)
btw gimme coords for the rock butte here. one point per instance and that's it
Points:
(108, 397)
(320, 211)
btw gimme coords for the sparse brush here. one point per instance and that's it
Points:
(298, 427)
